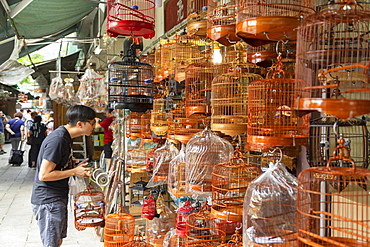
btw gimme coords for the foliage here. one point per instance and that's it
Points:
(36, 58)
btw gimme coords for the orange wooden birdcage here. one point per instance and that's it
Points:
(136, 159)
(166, 58)
(131, 18)
(271, 119)
(334, 203)
(197, 17)
(229, 183)
(230, 98)
(236, 240)
(263, 55)
(176, 175)
(260, 22)
(333, 57)
(149, 58)
(158, 76)
(201, 229)
(89, 208)
(119, 228)
(238, 50)
(146, 132)
(134, 125)
(137, 242)
(158, 121)
(222, 21)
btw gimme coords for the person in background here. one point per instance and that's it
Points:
(108, 135)
(54, 167)
(38, 134)
(50, 123)
(27, 126)
(15, 127)
(3, 119)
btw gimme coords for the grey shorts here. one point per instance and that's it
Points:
(2, 138)
(52, 220)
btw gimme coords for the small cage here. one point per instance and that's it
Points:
(230, 99)
(89, 208)
(197, 17)
(222, 21)
(176, 175)
(149, 164)
(203, 151)
(167, 59)
(333, 57)
(133, 125)
(229, 183)
(158, 227)
(149, 207)
(334, 203)
(158, 122)
(146, 132)
(137, 242)
(131, 18)
(259, 22)
(136, 160)
(272, 121)
(181, 215)
(201, 229)
(238, 50)
(119, 228)
(130, 85)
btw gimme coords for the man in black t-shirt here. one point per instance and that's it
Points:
(53, 169)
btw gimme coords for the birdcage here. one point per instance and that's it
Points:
(229, 183)
(264, 21)
(269, 213)
(334, 203)
(158, 122)
(222, 21)
(119, 228)
(146, 132)
(133, 129)
(203, 151)
(149, 165)
(166, 58)
(198, 83)
(272, 121)
(89, 208)
(333, 56)
(324, 133)
(176, 175)
(131, 18)
(181, 215)
(197, 17)
(200, 228)
(136, 159)
(130, 85)
(230, 97)
(148, 209)
(137, 242)
(238, 50)
(263, 55)
(149, 58)
(236, 240)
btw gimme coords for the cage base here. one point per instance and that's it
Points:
(223, 34)
(198, 28)
(131, 28)
(230, 129)
(232, 215)
(331, 241)
(265, 143)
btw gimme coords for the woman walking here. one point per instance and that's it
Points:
(15, 127)
(37, 133)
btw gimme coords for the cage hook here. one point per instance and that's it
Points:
(280, 152)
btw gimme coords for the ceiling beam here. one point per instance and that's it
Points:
(6, 6)
(17, 9)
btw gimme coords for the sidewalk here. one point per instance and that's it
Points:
(18, 227)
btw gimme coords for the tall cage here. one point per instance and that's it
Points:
(158, 65)
(119, 228)
(334, 203)
(158, 227)
(222, 21)
(197, 17)
(324, 133)
(158, 121)
(272, 121)
(182, 214)
(131, 18)
(133, 122)
(333, 56)
(167, 59)
(176, 175)
(229, 99)
(260, 22)
(130, 85)
(146, 132)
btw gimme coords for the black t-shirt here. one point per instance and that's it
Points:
(56, 148)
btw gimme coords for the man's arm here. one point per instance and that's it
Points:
(47, 172)
(7, 127)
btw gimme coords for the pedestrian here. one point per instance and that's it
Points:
(50, 123)
(15, 127)
(3, 119)
(108, 135)
(54, 167)
(27, 126)
(37, 133)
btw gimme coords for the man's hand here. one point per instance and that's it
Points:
(82, 171)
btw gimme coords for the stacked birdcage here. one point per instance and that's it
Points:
(197, 17)
(134, 125)
(166, 58)
(229, 183)
(333, 56)
(222, 21)
(89, 208)
(134, 18)
(176, 175)
(334, 203)
(272, 121)
(146, 132)
(158, 121)
(238, 50)
(263, 55)
(136, 159)
(119, 228)
(261, 22)
(181, 217)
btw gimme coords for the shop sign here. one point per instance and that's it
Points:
(175, 12)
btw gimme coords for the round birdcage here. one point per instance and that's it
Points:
(149, 207)
(229, 183)
(222, 21)
(260, 22)
(333, 203)
(158, 122)
(89, 208)
(134, 125)
(181, 216)
(176, 175)
(167, 59)
(146, 132)
(272, 121)
(136, 160)
(131, 18)
(236, 240)
(119, 228)
(333, 57)
(197, 17)
(137, 242)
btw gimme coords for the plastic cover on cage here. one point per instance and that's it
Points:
(56, 90)
(162, 157)
(270, 212)
(90, 87)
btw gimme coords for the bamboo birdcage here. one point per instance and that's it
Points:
(203, 151)
(136, 160)
(235, 241)
(134, 125)
(201, 229)
(137, 242)
(272, 121)
(230, 97)
(260, 22)
(146, 132)
(119, 228)
(230, 181)
(89, 208)
(158, 122)
(167, 59)
(176, 175)
(333, 56)
(131, 18)
(197, 17)
(222, 21)
(334, 203)
(181, 217)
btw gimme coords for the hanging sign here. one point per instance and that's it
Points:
(176, 12)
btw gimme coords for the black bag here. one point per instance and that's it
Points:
(16, 158)
(29, 140)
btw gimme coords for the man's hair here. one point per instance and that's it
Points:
(33, 114)
(28, 111)
(109, 110)
(37, 119)
(79, 113)
(18, 114)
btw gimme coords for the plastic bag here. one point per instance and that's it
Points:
(176, 175)
(56, 90)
